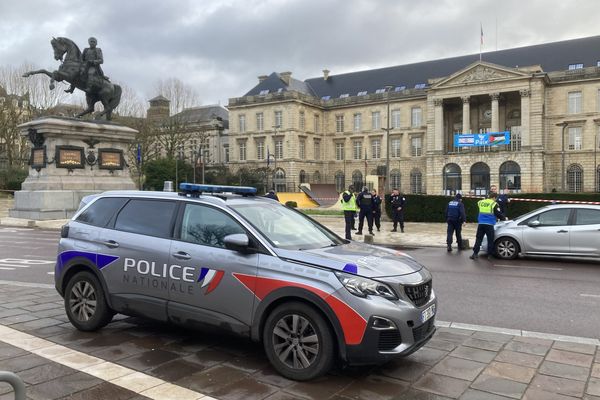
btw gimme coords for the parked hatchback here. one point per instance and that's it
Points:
(222, 257)
(566, 230)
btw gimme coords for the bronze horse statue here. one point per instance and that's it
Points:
(72, 70)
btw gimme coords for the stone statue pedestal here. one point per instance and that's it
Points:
(71, 159)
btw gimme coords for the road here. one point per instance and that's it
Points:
(559, 297)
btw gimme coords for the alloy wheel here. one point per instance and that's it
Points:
(83, 301)
(295, 341)
(506, 249)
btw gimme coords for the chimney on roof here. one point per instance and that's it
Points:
(325, 74)
(286, 77)
(262, 78)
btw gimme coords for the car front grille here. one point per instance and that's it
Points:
(422, 331)
(419, 294)
(389, 340)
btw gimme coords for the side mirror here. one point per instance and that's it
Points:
(534, 224)
(237, 242)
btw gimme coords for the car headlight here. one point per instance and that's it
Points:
(363, 287)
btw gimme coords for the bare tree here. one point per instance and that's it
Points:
(180, 95)
(37, 86)
(172, 136)
(14, 147)
(131, 103)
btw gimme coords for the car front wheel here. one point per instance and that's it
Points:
(298, 342)
(507, 248)
(85, 302)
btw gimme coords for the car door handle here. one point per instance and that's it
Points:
(111, 244)
(181, 255)
(562, 231)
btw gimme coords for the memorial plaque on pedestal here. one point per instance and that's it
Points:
(110, 159)
(38, 159)
(70, 157)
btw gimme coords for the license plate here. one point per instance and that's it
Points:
(428, 313)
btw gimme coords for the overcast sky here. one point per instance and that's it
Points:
(219, 47)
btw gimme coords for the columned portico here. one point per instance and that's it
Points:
(495, 114)
(525, 126)
(439, 124)
(466, 119)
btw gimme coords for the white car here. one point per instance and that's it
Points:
(566, 230)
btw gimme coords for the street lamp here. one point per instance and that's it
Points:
(388, 88)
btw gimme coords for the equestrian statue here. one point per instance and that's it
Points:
(83, 72)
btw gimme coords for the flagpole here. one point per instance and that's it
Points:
(480, 40)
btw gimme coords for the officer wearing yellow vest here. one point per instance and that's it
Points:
(348, 201)
(489, 212)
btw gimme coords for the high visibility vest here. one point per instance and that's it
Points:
(349, 205)
(486, 211)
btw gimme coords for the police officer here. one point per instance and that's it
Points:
(398, 201)
(365, 204)
(455, 217)
(348, 201)
(488, 213)
(376, 209)
(503, 201)
(272, 195)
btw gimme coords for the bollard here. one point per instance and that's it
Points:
(369, 239)
(15, 382)
(465, 244)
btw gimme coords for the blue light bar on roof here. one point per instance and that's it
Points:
(200, 188)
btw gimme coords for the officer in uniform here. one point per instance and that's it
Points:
(455, 217)
(489, 211)
(348, 201)
(503, 201)
(398, 201)
(365, 204)
(376, 209)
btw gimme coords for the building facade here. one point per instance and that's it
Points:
(340, 128)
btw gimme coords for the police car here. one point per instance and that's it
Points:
(219, 256)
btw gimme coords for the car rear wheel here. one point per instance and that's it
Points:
(85, 302)
(298, 342)
(507, 248)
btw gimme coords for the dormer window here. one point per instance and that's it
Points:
(325, 97)
(379, 91)
(363, 93)
(343, 96)
(575, 66)
(420, 85)
(263, 92)
(400, 88)
(280, 90)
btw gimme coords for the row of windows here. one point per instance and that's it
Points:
(416, 180)
(416, 120)
(278, 154)
(575, 102)
(278, 122)
(416, 149)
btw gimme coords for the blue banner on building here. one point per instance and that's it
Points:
(481, 139)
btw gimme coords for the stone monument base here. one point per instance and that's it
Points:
(71, 159)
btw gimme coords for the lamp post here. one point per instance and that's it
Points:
(562, 155)
(387, 141)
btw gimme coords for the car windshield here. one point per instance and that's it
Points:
(286, 228)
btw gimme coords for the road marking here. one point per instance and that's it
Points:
(527, 267)
(590, 295)
(50, 273)
(7, 269)
(126, 378)
(14, 265)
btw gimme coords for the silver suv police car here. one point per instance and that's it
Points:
(222, 257)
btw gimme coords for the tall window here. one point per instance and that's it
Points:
(340, 181)
(226, 154)
(278, 119)
(279, 180)
(452, 179)
(303, 177)
(416, 181)
(376, 120)
(357, 180)
(510, 176)
(317, 177)
(575, 138)
(260, 122)
(339, 123)
(317, 149)
(260, 150)
(357, 122)
(575, 178)
(574, 100)
(395, 179)
(302, 149)
(279, 149)
(395, 119)
(415, 117)
(480, 178)
(317, 122)
(242, 151)
(301, 121)
(357, 149)
(242, 122)
(339, 151)
(376, 148)
(395, 148)
(416, 146)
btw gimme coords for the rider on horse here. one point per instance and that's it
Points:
(90, 67)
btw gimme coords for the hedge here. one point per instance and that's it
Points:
(426, 208)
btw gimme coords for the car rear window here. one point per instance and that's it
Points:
(101, 211)
(587, 216)
(147, 217)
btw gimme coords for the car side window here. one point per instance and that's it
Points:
(147, 217)
(586, 216)
(101, 211)
(558, 217)
(207, 226)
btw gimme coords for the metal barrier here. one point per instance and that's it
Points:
(15, 382)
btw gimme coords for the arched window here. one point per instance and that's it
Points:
(279, 180)
(598, 179)
(510, 176)
(340, 181)
(317, 177)
(452, 179)
(416, 181)
(302, 176)
(357, 180)
(575, 178)
(395, 179)
(480, 178)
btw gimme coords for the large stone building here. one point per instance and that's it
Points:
(334, 128)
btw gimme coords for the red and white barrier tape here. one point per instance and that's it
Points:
(545, 200)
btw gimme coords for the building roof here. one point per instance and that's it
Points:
(203, 115)
(555, 56)
(160, 97)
